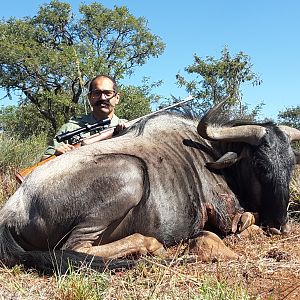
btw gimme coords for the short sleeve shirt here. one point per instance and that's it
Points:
(77, 123)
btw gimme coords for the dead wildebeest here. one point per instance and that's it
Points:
(162, 182)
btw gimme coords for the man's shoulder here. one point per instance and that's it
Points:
(76, 122)
(115, 120)
(82, 119)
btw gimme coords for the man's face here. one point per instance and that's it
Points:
(103, 96)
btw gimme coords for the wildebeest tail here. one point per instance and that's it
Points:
(48, 262)
(63, 261)
(10, 250)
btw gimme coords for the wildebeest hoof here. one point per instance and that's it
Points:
(246, 220)
(252, 230)
(285, 229)
(161, 252)
(273, 230)
(209, 247)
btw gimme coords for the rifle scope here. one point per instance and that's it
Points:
(87, 127)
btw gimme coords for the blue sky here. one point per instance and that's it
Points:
(266, 30)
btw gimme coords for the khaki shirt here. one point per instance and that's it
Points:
(79, 123)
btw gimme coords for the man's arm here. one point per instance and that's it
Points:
(56, 148)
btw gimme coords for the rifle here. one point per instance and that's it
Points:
(76, 140)
(101, 135)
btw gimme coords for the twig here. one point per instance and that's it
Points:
(290, 238)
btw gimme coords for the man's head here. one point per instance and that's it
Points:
(103, 96)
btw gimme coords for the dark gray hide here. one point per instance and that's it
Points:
(152, 180)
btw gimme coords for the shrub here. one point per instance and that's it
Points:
(17, 154)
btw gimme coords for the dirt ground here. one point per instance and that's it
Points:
(270, 265)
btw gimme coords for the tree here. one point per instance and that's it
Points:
(136, 101)
(23, 121)
(290, 117)
(52, 56)
(217, 79)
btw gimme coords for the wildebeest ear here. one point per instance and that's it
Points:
(297, 155)
(227, 160)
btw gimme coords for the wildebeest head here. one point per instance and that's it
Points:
(260, 160)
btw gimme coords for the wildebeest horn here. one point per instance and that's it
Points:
(293, 133)
(250, 134)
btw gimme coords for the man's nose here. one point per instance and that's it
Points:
(102, 96)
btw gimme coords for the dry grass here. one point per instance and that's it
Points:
(8, 184)
(295, 194)
(16, 284)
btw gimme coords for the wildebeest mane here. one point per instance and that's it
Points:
(139, 126)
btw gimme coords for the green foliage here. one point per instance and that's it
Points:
(84, 284)
(290, 117)
(16, 154)
(133, 103)
(217, 79)
(51, 57)
(23, 121)
(136, 101)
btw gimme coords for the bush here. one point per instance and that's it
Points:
(17, 154)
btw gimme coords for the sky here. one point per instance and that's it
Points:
(268, 31)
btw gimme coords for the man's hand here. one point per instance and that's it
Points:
(63, 149)
(121, 126)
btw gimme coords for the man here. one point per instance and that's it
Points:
(103, 96)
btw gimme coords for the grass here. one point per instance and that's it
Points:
(20, 153)
(18, 284)
(149, 280)
(84, 284)
(17, 154)
(295, 186)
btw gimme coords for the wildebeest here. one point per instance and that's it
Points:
(162, 182)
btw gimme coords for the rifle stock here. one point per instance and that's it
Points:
(23, 173)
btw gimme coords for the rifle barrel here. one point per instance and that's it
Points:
(187, 99)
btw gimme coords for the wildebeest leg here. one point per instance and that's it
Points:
(208, 246)
(227, 216)
(102, 209)
(133, 244)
